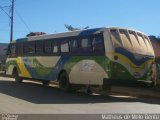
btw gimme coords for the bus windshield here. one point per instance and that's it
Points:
(132, 41)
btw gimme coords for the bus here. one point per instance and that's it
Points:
(93, 58)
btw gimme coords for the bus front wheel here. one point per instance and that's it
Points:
(16, 76)
(64, 82)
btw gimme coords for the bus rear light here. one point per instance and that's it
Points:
(115, 57)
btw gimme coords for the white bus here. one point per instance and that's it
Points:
(94, 58)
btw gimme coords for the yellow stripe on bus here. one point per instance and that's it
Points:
(24, 71)
(135, 68)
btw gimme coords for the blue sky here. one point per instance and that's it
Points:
(50, 15)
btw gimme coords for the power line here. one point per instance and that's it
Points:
(5, 6)
(2, 8)
(20, 17)
(11, 17)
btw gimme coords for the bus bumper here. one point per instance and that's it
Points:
(125, 83)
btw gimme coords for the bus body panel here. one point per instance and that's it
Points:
(117, 63)
(10, 66)
(89, 68)
(128, 65)
(88, 71)
(122, 68)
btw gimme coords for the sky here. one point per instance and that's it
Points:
(50, 16)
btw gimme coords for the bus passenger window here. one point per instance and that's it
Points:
(64, 46)
(73, 44)
(97, 43)
(86, 45)
(19, 48)
(39, 47)
(32, 47)
(29, 47)
(48, 47)
(55, 48)
(25, 47)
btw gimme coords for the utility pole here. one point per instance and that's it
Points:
(12, 14)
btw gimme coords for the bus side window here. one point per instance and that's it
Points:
(48, 46)
(19, 48)
(55, 48)
(86, 45)
(32, 47)
(29, 47)
(98, 44)
(64, 46)
(39, 46)
(73, 45)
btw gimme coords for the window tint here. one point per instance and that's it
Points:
(64, 46)
(73, 44)
(48, 46)
(98, 44)
(39, 47)
(55, 47)
(125, 40)
(19, 47)
(86, 44)
(115, 38)
(29, 47)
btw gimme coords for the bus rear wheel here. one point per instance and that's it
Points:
(64, 82)
(18, 79)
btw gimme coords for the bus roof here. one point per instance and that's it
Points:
(61, 35)
(84, 32)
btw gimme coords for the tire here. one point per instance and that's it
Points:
(64, 82)
(89, 91)
(45, 83)
(16, 76)
(153, 84)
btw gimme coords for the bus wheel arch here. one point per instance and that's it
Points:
(63, 80)
(15, 74)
